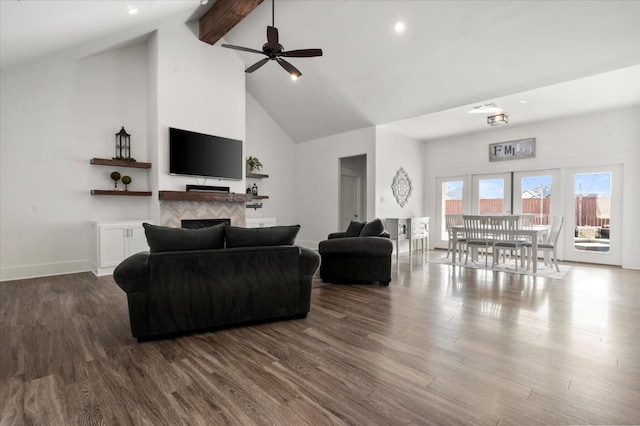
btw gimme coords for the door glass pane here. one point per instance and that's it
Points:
(536, 198)
(491, 196)
(451, 202)
(592, 211)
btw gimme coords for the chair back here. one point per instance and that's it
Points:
(452, 220)
(505, 228)
(527, 221)
(554, 230)
(476, 226)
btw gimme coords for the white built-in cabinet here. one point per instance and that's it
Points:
(114, 242)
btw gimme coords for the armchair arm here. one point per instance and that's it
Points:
(335, 235)
(309, 261)
(132, 274)
(359, 246)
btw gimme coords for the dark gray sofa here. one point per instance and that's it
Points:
(361, 254)
(253, 278)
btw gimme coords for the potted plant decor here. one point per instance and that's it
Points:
(253, 164)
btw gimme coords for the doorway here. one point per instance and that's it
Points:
(353, 190)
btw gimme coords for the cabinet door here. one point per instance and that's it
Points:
(137, 240)
(113, 244)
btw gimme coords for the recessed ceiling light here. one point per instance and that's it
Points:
(485, 109)
(523, 102)
(133, 11)
(294, 77)
(399, 27)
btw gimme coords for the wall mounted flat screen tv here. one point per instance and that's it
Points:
(197, 154)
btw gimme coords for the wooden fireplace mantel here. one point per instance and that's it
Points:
(222, 197)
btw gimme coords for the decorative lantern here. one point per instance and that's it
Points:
(123, 145)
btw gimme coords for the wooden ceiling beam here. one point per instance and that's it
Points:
(223, 16)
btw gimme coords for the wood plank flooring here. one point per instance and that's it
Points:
(441, 345)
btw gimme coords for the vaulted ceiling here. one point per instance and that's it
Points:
(560, 57)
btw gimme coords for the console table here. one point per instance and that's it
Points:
(413, 228)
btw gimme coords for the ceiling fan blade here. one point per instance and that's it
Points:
(257, 65)
(272, 37)
(303, 53)
(244, 49)
(289, 68)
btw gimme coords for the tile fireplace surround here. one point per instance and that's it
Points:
(178, 205)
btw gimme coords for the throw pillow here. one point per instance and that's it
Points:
(375, 228)
(256, 237)
(354, 229)
(164, 238)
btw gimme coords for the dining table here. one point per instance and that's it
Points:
(534, 233)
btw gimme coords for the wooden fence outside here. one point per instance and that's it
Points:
(585, 216)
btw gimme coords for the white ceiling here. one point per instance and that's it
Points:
(561, 57)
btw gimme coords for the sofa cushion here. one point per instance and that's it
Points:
(354, 229)
(255, 237)
(164, 238)
(374, 228)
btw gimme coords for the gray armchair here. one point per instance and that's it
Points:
(362, 254)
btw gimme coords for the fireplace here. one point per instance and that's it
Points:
(203, 223)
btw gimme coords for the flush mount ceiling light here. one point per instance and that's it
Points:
(494, 120)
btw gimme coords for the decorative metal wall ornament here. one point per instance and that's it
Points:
(401, 187)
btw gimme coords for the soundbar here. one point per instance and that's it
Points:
(207, 188)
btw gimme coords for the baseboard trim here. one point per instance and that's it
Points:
(24, 272)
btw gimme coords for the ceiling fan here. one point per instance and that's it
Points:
(274, 51)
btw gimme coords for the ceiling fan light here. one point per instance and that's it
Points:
(294, 77)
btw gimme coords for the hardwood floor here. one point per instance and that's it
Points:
(440, 345)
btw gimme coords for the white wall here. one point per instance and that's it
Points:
(394, 151)
(317, 168)
(200, 88)
(53, 121)
(606, 138)
(276, 151)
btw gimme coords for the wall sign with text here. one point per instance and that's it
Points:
(512, 150)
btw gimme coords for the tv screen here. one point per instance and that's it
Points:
(197, 154)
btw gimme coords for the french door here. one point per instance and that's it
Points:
(593, 217)
(452, 198)
(589, 198)
(538, 193)
(491, 194)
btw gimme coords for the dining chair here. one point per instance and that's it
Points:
(550, 246)
(527, 221)
(506, 238)
(450, 221)
(476, 233)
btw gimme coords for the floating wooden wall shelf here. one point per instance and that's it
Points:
(121, 193)
(120, 163)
